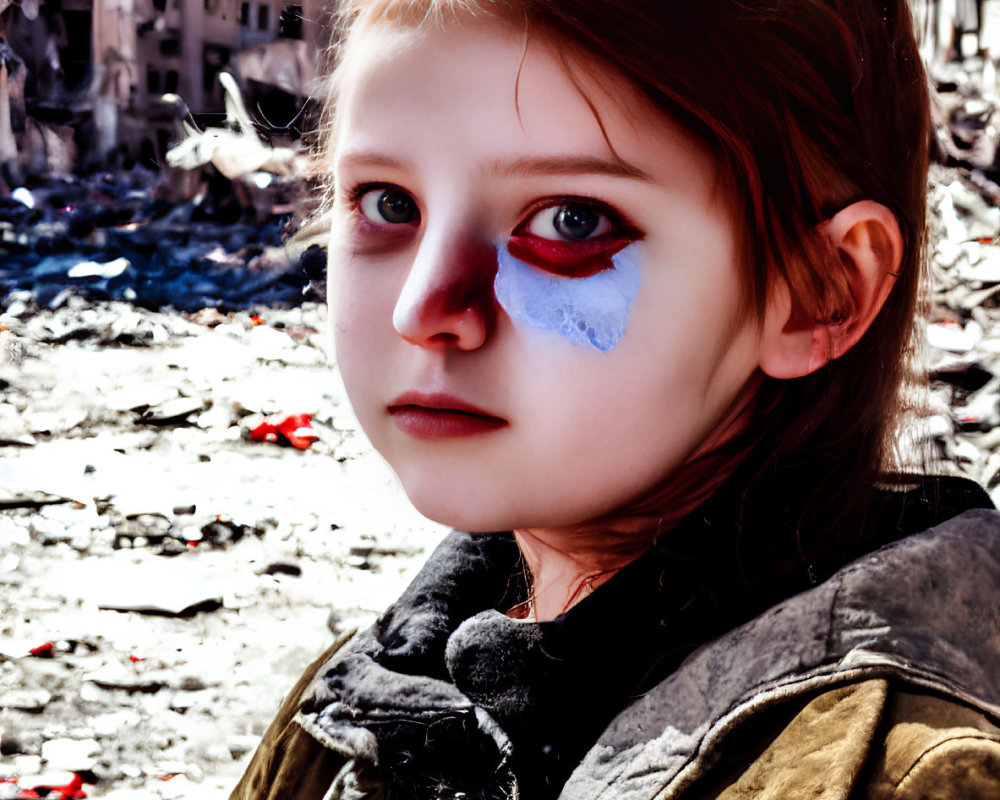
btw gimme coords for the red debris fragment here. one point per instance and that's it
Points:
(135, 659)
(46, 650)
(293, 429)
(69, 791)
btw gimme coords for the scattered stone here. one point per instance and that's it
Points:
(177, 787)
(174, 411)
(31, 700)
(221, 533)
(13, 430)
(10, 745)
(191, 683)
(115, 675)
(70, 754)
(965, 376)
(279, 568)
(240, 746)
(165, 607)
(953, 336)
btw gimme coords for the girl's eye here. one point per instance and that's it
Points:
(388, 205)
(569, 223)
(573, 238)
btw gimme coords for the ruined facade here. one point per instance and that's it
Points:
(113, 70)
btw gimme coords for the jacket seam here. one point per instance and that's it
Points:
(931, 751)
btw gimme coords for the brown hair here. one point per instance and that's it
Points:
(808, 105)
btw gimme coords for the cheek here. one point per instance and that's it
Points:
(359, 289)
(358, 316)
(591, 312)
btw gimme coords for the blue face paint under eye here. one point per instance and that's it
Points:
(590, 311)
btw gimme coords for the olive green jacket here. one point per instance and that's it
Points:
(883, 682)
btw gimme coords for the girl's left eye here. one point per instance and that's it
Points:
(571, 237)
(569, 223)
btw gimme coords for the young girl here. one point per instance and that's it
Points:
(633, 283)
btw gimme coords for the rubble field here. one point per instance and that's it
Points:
(164, 578)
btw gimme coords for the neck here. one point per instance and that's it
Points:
(567, 563)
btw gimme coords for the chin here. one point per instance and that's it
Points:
(464, 516)
(458, 504)
(485, 501)
(484, 512)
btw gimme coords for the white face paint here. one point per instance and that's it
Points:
(590, 311)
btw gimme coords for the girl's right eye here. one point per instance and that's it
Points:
(388, 205)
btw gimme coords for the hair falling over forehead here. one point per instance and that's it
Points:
(807, 106)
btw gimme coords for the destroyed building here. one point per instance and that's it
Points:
(95, 83)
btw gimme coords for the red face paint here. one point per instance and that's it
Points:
(568, 259)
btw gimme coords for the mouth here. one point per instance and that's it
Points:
(441, 416)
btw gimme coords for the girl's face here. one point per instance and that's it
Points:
(533, 327)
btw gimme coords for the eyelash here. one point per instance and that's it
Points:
(616, 218)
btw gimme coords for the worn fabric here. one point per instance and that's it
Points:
(921, 613)
(806, 700)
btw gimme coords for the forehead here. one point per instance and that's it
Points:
(485, 86)
(391, 69)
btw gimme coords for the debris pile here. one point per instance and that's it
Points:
(109, 237)
(963, 329)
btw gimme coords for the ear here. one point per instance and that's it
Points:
(867, 238)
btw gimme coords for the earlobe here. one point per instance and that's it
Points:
(867, 238)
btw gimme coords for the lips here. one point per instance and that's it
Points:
(441, 416)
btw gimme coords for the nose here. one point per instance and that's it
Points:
(447, 299)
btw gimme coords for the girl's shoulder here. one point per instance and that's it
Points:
(875, 739)
(934, 747)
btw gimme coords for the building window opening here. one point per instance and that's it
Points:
(214, 59)
(290, 22)
(170, 47)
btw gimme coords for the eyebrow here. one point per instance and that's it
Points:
(365, 158)
(529, 166)
(571, 165)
